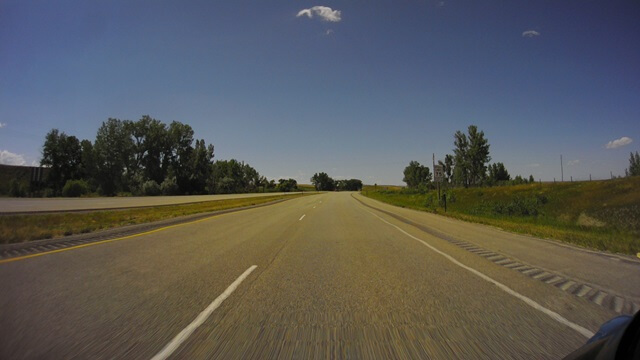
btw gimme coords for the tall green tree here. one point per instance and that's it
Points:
(478, 156)
(349, 185)
(200, 167)
(416, 175)
(448, 167)
(88, 164)
(471, 155)
(63, 155)
(461, 159)
(113, 151)
(150, 146)
(323, 182)
(497, 174)
(178, 154)
(232, 176)
(634, 165)
(287, 185)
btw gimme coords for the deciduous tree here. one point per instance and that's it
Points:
(416, 175)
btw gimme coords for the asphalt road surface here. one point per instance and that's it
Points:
(334, 275)
(26, 205)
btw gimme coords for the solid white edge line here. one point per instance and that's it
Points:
(184, 334)
(302, 217)
(552, 314)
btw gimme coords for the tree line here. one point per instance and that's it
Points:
(145, 157)
(468, 165)
(323, 182)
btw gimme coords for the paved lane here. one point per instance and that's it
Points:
(332, 280)
(26, 205)
(572, 262)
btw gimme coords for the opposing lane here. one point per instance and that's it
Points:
(29, 205)
(336, 281)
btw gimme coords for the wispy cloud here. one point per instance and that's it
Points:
(323, 12)
(9, 158)
(619, 142)
(440, 4)
(573, 162)
(530, 33)
(534, 165)
(2, 125)
(328, 32)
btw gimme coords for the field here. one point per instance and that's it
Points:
(602, 215)
(306, 187)
(20, 228)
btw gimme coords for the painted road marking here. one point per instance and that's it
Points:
(184, 334)
(109, 240)
(552, 314)
(302, 217)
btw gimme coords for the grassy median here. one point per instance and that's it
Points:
(20, 228)
(602, 215)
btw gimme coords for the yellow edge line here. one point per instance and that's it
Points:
(110, 240)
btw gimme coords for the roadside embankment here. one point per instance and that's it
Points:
(602, 215)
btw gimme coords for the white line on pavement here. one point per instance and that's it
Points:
(184, 334)
(552, 314)
(302, 217)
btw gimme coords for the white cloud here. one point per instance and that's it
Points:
(573, 163)
(9, 158)
(530, 33)
(2, 125)
(324, 12)
(329, 32)
(619, 142)
(440, 4)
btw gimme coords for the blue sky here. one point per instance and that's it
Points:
(357, 90)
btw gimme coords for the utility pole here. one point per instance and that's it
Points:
(433, 161)
(561, 170)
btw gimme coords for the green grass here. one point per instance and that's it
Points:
(602, 215)
(20, 228)
(306, 187)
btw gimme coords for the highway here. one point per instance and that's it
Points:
(335, 275)
(30, 205)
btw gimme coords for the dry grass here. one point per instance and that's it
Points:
(20, 228)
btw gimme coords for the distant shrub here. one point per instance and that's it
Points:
(169, 186)
(519, 206)
(451, 197)
(49, 193)
(151, 188)
(16, 189)
(431, 202)
(75, 188)
(541, 199)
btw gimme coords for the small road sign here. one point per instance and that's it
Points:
(438, 173)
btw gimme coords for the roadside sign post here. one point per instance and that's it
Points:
(438, 176)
